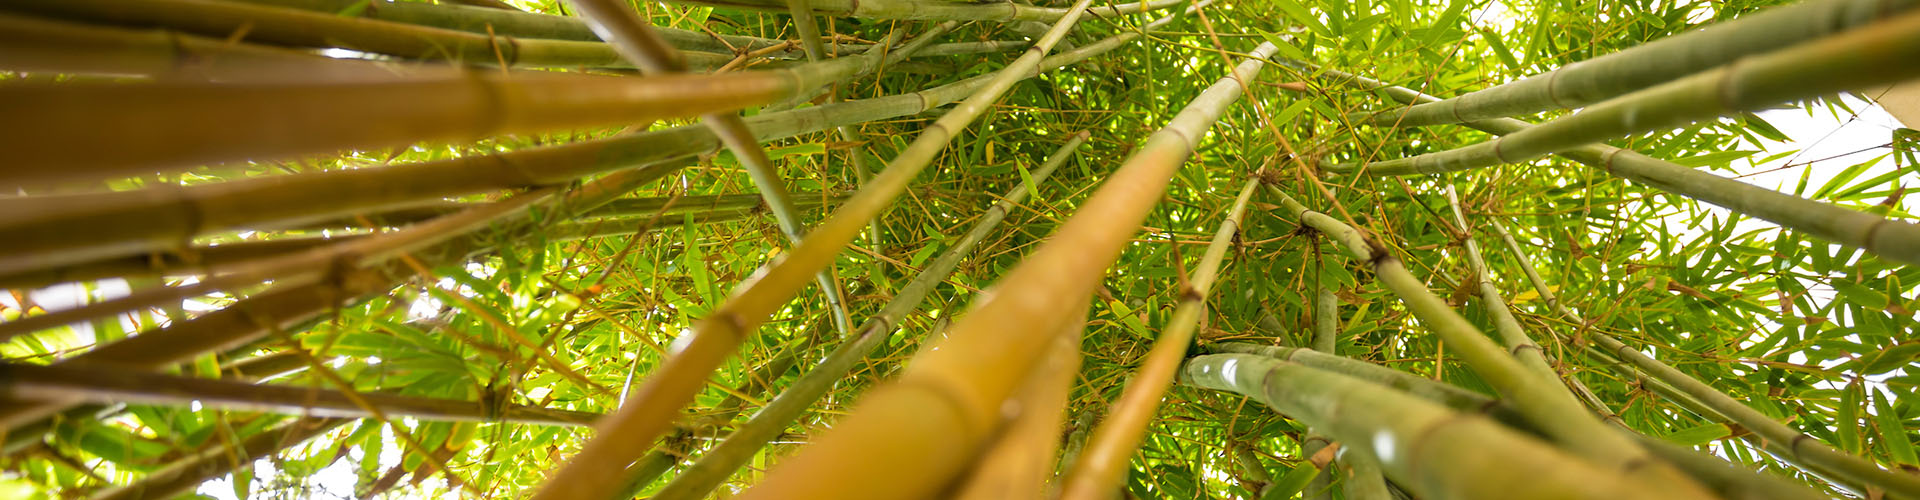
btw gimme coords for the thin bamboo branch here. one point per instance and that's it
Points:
(513, 24)
(113, 385)
(1102, 466)
(1434, 451)
(89, 132)
(656, 463)
(1508, 328)
(630, 432)
(1601, 78)
(181, 477)
(892, 443)
(719, 462)
(1546, 404)
(939, 10)
(1867, 56)
(1890, 239)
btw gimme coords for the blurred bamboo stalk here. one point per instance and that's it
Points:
(96, 132)
(1100, 470)
(31, 44)
(908, 437)
(1866, 56)
(1547, 404)
(1601, 78)
(101, 384)
(627, 434)
(512, 23)
(717, 463)
(1020, 462)
(1434, 451)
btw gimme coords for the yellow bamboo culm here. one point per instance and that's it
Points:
(909, 437)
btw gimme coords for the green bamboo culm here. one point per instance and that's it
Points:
(1863, 57)
(512, 23)
(1548, 405)
(1504, 324)
(1425, 447)
(719, 462)
(1893, 240)
(35, 45)
(1605, 77)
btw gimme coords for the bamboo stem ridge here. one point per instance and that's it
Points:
(113, 385)
(1890, 239)
(719, 462)
(1547, 404)
(625, 435)
(1101, 467)
(168, 127)
(1605, 77)
(1875, 54)
(1434, 451)
(892, 443)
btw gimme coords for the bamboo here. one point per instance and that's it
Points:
(1890, 239)
(100, 131)
(1546, 404)
(1101, 468)
(183, 476)
(32, 44)
(1427, 448)
(1594, 80)
(716, 464)
(938, 10)
(101, 384)
(1875, 54)
(655, 463)
(1516, 339)
(300, 28)
(1731, 482)
(283, 308)
(1020, 461)
(630, 432)
(513, 24)
(126, 222)
(895, 442)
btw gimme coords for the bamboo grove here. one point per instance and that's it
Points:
(875, 249)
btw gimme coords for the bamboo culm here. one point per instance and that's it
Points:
(1428, 448)
(719, 462)
(1605, 77)
(892, 443)
(1102, 466)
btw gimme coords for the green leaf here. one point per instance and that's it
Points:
(1698, 435)
(1893, 435)
(1293, 482)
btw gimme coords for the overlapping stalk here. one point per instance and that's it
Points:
(1436, 452)
(283, 308)
(907, 438)
(112, 385)
(1019, 463)
(1547, 404)
(1871, 55)
(1605, 77)
(938, 10)
(1101, 467)
(1508, 328)
(1694, 395)
(183, 476)
(1730, 481)
(301, 28)
(513, 23)
(625, 435)
(1890, 239)
(88, 132)
(127, 222)
(719, 462)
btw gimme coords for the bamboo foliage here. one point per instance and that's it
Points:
(907, 457)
